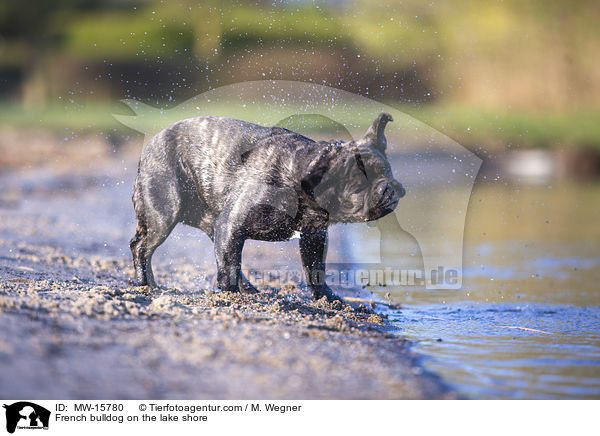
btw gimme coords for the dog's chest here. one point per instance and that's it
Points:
(295, 235)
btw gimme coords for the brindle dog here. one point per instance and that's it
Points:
(236, 181)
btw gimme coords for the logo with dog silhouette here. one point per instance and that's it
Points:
(26, 415)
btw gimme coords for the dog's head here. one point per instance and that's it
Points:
(353, 180)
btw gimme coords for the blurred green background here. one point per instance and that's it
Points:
(492, 75)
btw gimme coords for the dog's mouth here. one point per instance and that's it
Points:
(386, 205)
(358, 208)
(382, 210)
(375, 215)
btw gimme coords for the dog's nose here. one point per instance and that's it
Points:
(401, 191)
(388, 193)
(391, 189)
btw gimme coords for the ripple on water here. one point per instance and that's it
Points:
(507, 350)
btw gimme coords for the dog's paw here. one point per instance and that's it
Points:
(248, 288)
(327, 293)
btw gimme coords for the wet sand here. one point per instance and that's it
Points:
(74, 326)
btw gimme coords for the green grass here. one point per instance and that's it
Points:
(468, 126)
(519, 128)
(59, 117)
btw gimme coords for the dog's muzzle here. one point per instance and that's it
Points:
(389, 192)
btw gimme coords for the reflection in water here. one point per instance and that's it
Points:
(531, 261)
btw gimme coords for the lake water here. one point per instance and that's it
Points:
(480, 351)
(526, 322)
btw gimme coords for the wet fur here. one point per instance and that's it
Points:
(236, 181)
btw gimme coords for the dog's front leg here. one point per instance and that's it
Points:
(313, 250)
(229, 243)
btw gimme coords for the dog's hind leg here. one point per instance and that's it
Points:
(157, 204)
(137, 250)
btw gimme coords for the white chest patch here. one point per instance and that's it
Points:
(295, 235)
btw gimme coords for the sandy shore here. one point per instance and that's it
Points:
(74, 326)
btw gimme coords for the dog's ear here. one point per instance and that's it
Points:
(375, 135)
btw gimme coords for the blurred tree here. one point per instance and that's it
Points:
(500, 54)
(31, 21)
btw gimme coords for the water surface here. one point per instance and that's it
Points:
(526, 322)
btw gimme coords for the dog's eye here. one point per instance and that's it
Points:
(361, 164)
